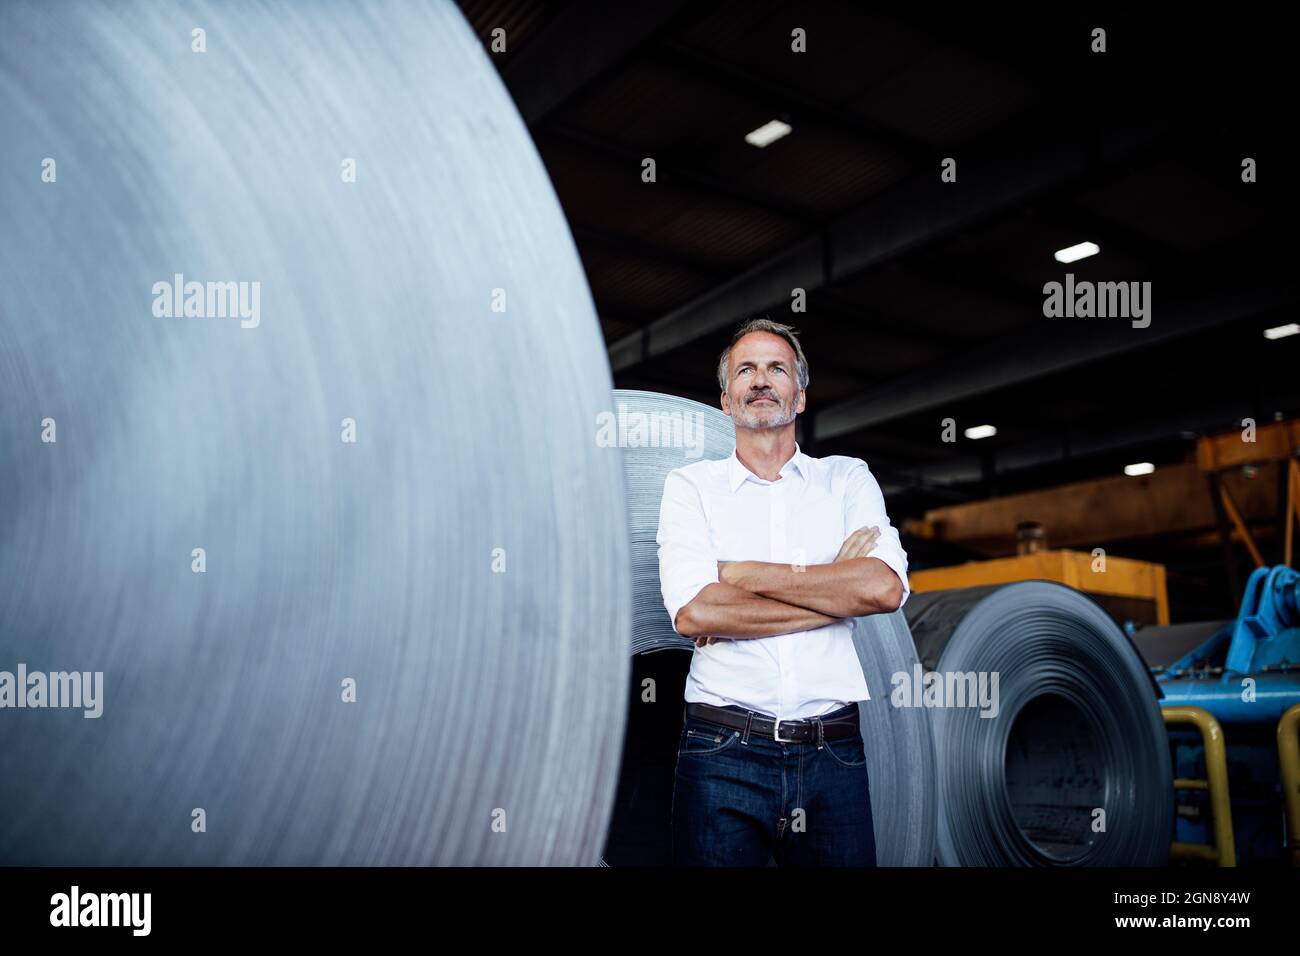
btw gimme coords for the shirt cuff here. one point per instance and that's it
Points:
(898, 564)
(683, 594)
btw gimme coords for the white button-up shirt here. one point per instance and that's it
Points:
(721, 511)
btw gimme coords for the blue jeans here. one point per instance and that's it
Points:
(739, 802)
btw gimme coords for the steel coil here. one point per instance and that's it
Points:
(658, 433)
(343, 549)
(898, 744)
(1070, 765)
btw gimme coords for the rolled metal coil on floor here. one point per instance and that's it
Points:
(901, 760)
(658, 433)
(461, 568)
(1071, 765)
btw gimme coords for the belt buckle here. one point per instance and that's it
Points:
(776, 734)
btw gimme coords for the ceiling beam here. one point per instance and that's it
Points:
(1183, 424)
(1174, 499)
(1061, 344)
(584, 40)
(1018, 167)
(754, 290)
(632, 247)
(874, 326)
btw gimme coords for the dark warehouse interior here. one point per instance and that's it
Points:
(924, 298)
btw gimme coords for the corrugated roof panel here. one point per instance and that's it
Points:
(947, 98)
(598, 192)
(824, 169)
(850, 47)
(627, 285)
(649, 102)
(723, 231)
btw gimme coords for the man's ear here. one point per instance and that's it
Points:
(726, 405)
(803, 395)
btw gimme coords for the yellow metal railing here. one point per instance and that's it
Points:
(1224, 850)
(1288, 761)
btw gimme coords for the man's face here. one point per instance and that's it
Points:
(762, 386)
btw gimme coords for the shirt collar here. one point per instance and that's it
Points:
(737, 473)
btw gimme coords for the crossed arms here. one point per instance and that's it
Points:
(759, 599)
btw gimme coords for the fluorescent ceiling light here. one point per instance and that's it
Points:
(767, 134)
(981, 431)
(1074, 253)
(1282, 331)
(1140, 468)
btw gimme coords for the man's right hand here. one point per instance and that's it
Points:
(859, 544)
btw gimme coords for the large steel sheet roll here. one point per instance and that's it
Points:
(899, 746)
(1069, 766)
(900, 758)
(658, 433)
(341, 544)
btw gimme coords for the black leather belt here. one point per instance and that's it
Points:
(807, 730)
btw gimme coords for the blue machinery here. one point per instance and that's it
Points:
(1247, 677)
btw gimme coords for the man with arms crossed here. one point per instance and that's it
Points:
(764, 559)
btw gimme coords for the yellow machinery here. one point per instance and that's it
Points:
(1083, 571)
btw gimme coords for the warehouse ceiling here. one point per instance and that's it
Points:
(924, 298)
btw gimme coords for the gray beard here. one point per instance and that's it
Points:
(745, 417)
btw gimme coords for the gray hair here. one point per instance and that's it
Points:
(776, 328)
